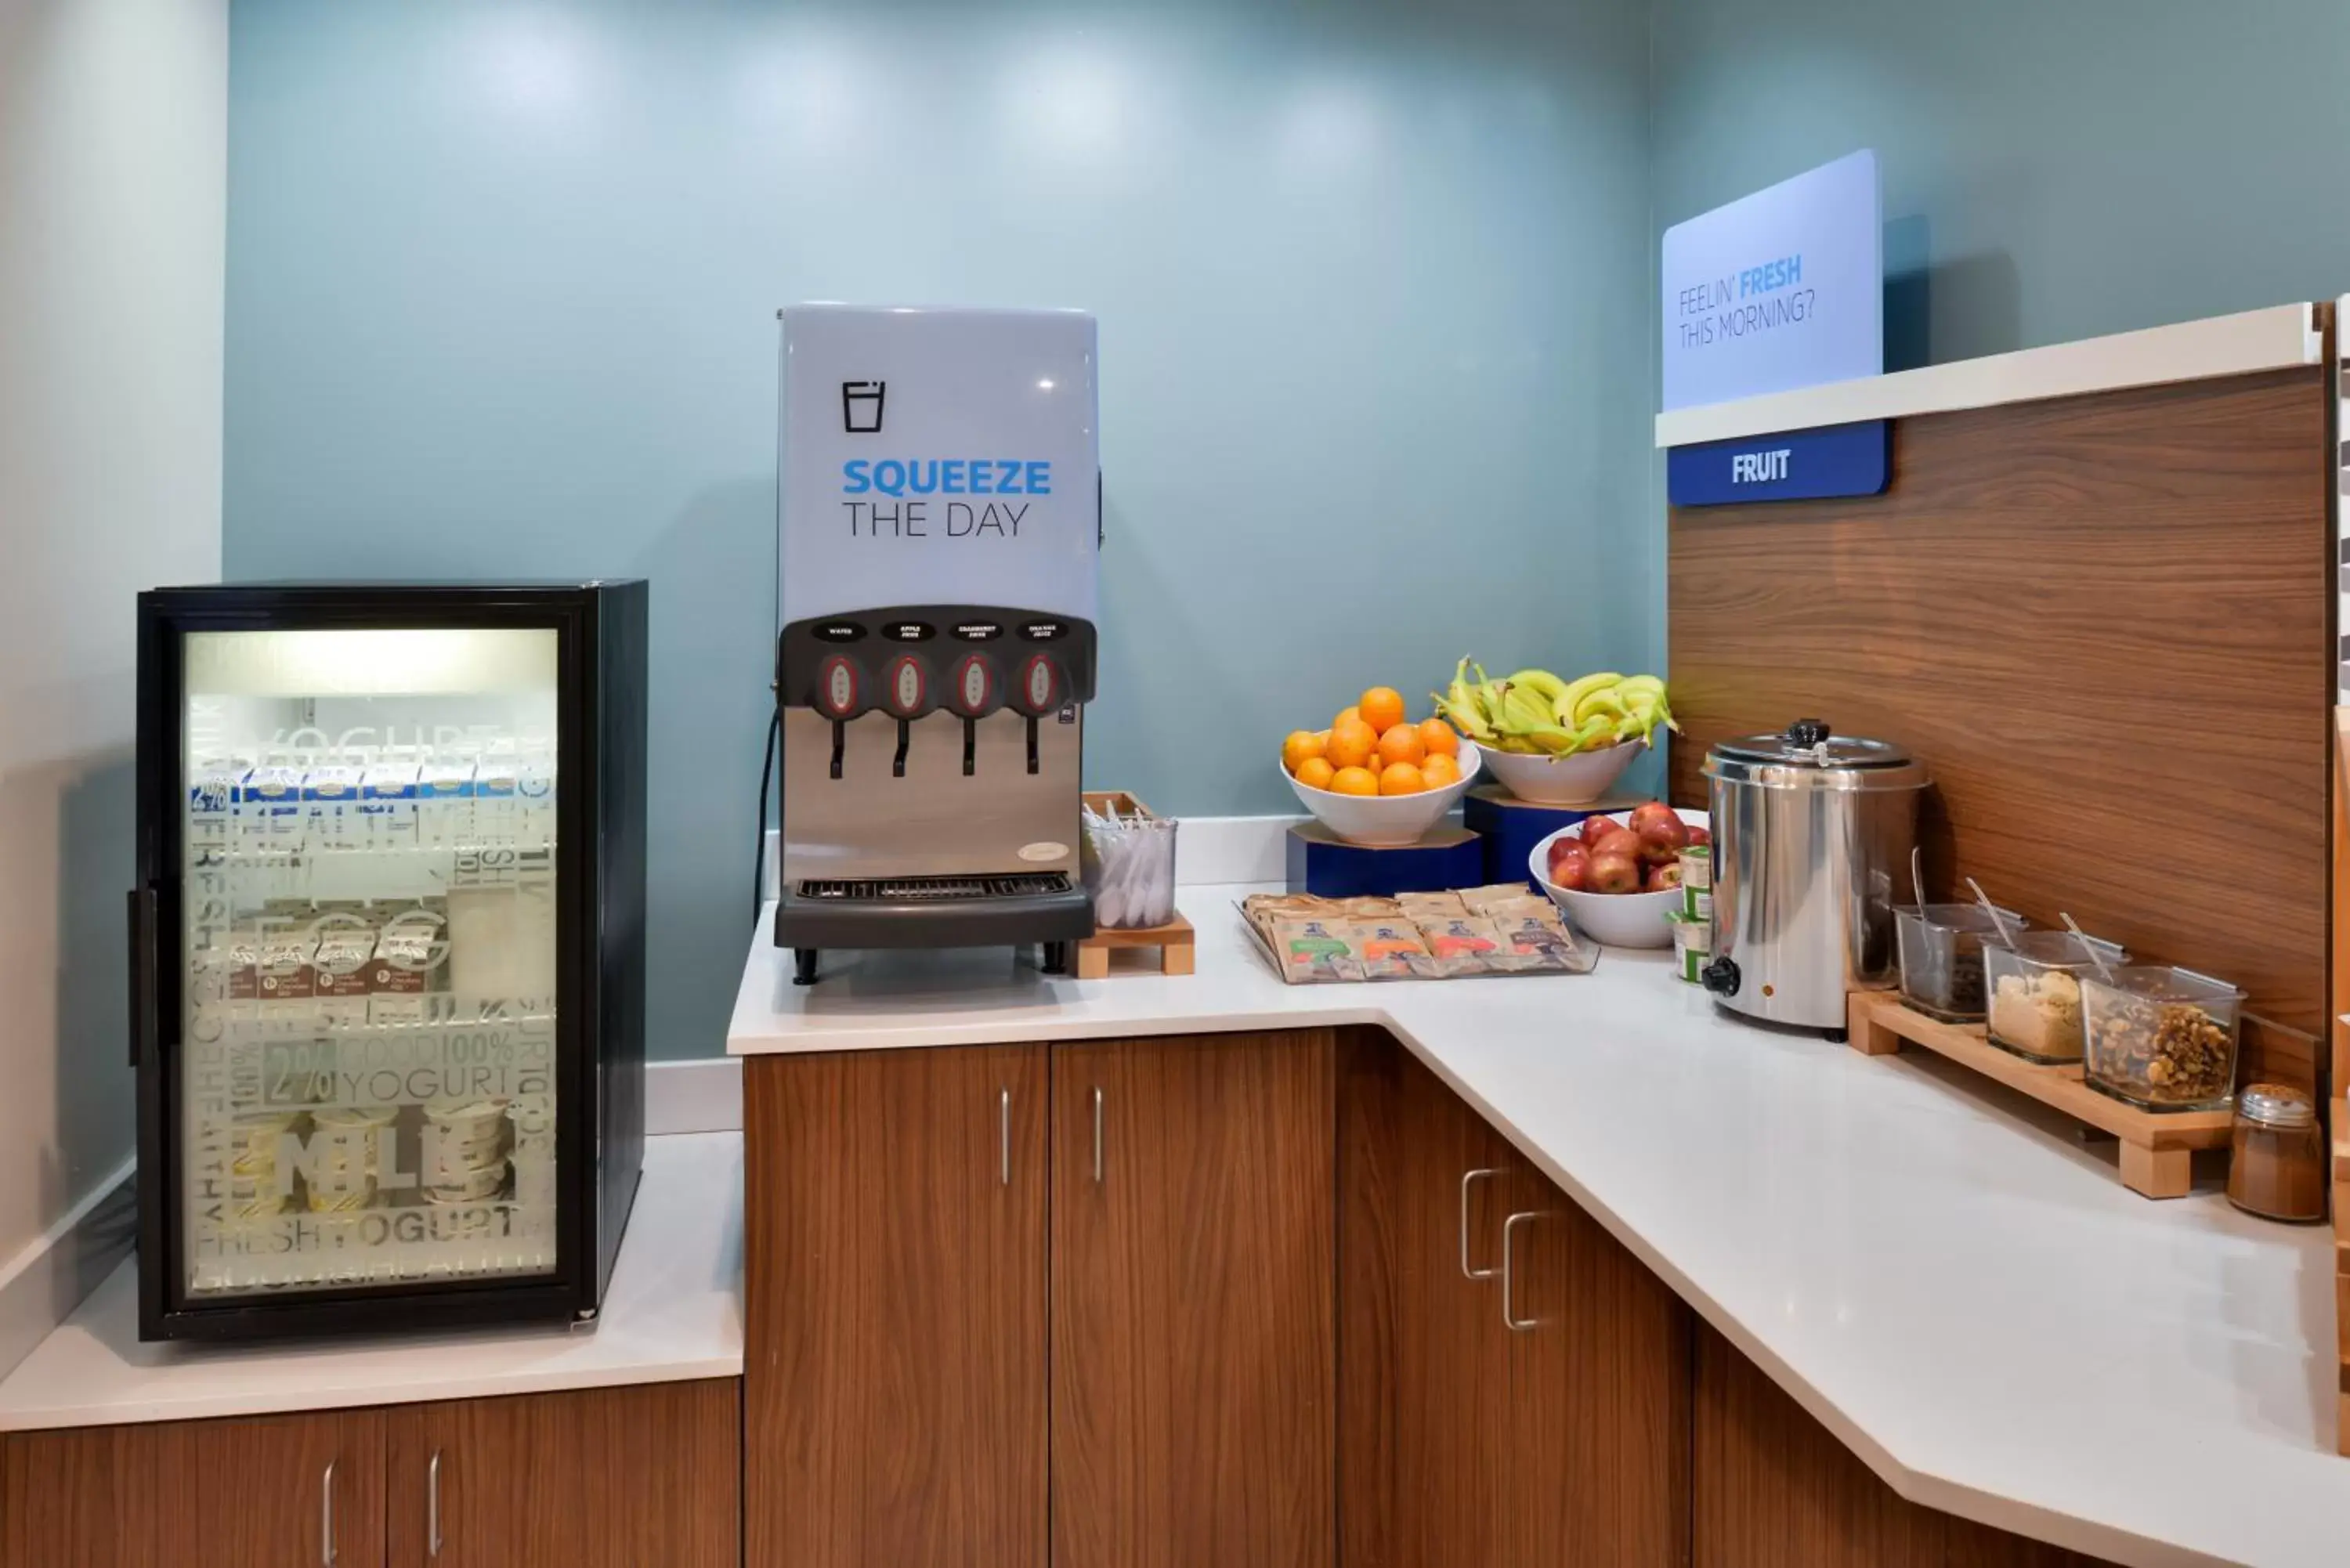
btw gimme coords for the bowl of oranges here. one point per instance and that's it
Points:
(1377, 776)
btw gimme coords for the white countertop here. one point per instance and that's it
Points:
(673, 1313)
(1936, 1268)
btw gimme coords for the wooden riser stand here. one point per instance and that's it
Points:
(2157, 1147)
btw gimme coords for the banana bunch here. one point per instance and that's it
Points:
(1535, 712)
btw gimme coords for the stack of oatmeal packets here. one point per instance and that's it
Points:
(1503, 930)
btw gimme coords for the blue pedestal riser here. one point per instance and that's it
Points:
(1323, 865)
(1511, 827)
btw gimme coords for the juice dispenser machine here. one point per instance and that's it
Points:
(938, 519)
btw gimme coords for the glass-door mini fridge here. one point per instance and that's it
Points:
(386, 953)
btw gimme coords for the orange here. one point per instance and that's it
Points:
(1439, 770)
(1302, 745)
(1347, 716)
(1382, 708)
(1439, 738)
(1402, 744)
(1352, 742)
(1315, 773)
(1355, 780)
(1402, 778)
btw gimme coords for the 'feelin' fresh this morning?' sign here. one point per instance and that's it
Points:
(1781, 289)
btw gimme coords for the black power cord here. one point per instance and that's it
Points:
(766, 774)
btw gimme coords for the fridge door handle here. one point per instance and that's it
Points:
(142, 1021)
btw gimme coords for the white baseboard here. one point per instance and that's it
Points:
(1206, 849)
(702, 1094)
(42, 1285)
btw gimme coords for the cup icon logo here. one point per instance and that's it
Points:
(860, 406)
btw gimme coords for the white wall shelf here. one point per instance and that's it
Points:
(2280, 338)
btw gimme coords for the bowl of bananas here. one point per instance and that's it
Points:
(1553, 741)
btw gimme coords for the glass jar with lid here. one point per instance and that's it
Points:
(2277, 1169)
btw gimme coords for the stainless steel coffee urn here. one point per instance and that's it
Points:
(1811, 831)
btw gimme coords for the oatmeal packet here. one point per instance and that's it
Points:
(1485, 900)
(1463, 946)
(1423, 908)
(1544, 944)
(1392, 950)
(1315, 950)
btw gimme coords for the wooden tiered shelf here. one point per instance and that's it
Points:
(2157, 1147)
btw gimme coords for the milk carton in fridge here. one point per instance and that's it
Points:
(269, 810)
(213, 788)
(388, 804)
(331, 803)
(534, 800)
(444, 801)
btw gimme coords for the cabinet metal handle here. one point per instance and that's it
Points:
(1098, 1137)
(326, 1516)
(433, 1503)
(1468, 1181)
(1510, 1319)
(1004, 1133)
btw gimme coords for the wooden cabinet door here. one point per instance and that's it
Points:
(1599, 1414)
(592, 1478)
(1194, 1340)
(265, 1491)
(894, 1372)
(1424, 1362)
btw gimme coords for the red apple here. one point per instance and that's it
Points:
(1653, 811)
(1661, 839)
(1605, 838)
(1570, 865)
(1700, 836)
(1663, 878)
(1612, 873)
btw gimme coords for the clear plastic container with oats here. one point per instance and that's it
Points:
(2161, 1038)
(2034, 985)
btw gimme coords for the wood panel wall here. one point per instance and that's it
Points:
(2103, 624)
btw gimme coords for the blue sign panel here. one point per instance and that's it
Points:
(1792, 465)
(1781, 289)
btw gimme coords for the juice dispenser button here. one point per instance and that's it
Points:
(836, 690)
(1040, 686)
(907, 688)
(973, 689)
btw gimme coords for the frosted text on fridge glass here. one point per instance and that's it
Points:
(909, 484)
(1753, 300)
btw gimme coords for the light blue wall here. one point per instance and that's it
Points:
(501, 292)
(2053, 168)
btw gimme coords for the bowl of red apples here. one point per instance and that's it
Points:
(1618, 875)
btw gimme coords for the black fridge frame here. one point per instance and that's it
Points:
(599, 967)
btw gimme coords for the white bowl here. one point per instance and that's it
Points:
(1387, 821)
(1577, 780)
(1612, 919)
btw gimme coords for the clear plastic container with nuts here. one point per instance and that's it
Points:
(2162, 1038)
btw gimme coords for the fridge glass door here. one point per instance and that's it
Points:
(365, 1081)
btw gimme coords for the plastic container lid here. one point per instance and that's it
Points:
(1807, 755)
(1968, 918)
(2063, 949)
